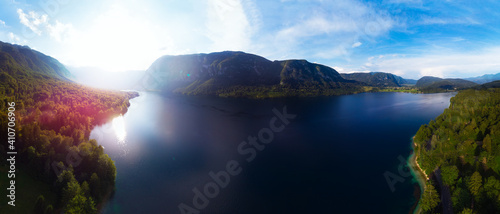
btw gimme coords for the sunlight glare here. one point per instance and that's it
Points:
(119, 128)
(113, 41)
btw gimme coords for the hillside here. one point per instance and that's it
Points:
(240, 74)
(434, 84)
(15, 59)
(379, 79)
(460, 151)
(53, 118)
(494, 84)
(485, 78)
(426, 81)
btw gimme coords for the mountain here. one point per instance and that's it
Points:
(22, 59)
(379, 79)
(429, 84)
(485, 78)
(53, 118)
(426, 81)
(244, 75)
(494, 84)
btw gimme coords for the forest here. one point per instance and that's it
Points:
(54, 118)
(460, 151)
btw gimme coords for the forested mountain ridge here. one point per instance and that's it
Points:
(494, 84)
(460, 151)
(22, 59)
(379, 79)
(240, 74)
(53, 118)
(429, 84)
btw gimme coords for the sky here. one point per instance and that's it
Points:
(410, 38)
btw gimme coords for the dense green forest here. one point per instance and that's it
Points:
(57, 164)
(460, 151)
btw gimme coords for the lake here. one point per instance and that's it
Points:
(228, 155)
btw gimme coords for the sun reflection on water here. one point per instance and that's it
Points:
(119, 128)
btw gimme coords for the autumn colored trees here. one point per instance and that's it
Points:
(54, 119)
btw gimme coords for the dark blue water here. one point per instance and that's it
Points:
(331, 158)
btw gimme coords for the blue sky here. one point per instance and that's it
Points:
(410, 38)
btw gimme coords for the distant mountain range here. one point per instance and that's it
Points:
(485, 78)
(379, 79)
(228, 73)
(241, 74)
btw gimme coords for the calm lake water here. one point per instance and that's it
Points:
(331, 158)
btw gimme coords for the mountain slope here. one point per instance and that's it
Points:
(485, 78)
(241, 74)
(53, 118)
(426, 81)
(15, 58)
(494, 84)
(434, 84)
(379, 79)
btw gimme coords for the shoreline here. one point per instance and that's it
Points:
(419, 175)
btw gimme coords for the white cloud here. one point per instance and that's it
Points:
(419, 2)
(447, 21)
(349, 71)
(123, 37)
(316, 26)
(39, 23)
(59, 31)
(357, 44)
(330, 28)
(15, 39)
(457, 39)
(35, 22)
(227, 25)
(2, 23)
(338, 50)
(445, 64)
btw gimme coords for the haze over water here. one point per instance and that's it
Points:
(330, 158)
